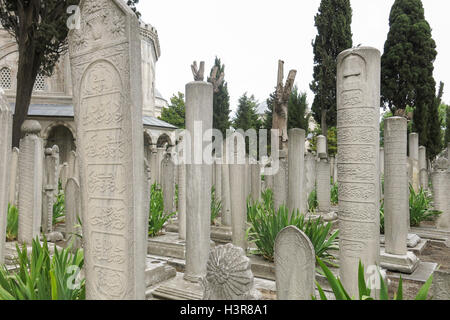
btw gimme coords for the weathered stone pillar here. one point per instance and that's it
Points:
(199, 109)
(296, 160)
(72, 200)
(268, 179)
(280, 181)
(218, 179)
(153, 165)
(414, 160)
(50, 187)
(13, 182)
(256, 181)
(423, 170)
(73, 165)
(5, 167)
(226, 195)
(439, 180)
(168, 183)
(31, 160)
(238, 201)
(381, 161)
(396, 208)
(182, 198)
(64, 174)
(105, 57)
(323, 186)
(358, 114)
(310, 174)
(159, 158)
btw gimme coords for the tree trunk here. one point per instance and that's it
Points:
(26, 76)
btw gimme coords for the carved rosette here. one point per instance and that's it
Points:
(229, 275)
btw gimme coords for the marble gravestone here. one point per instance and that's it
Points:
(73, 212)
(13, 182)
(50, 187)
(358, 114)
(168, 183)
(5, 156)
(295, 267)
(105, 57)
(31, 159)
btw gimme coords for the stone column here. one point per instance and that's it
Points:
(322, 147)
(218, 179)
(73, 165)
(182, 198)
(296, 160)
(238, 201)
(332, 162)
(159, 158)
(358, 114)
(199, 109)
(423, 167)
(30, 182)
(226, 195)
(64, 174)
(153, 165)
(168, 183)
(13, 194)
(105, 57)
(396, 208)
(5, 166)
(381, 161)
(280, 182)
(268, 179)
(439, 180)
(323, 186)
(310, 174)
(414, 160)
(72, 200)
(256, 181)
(50, 187)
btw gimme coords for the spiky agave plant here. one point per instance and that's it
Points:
(157, 217)
(420, 207)
(12, 225)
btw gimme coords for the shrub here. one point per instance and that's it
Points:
(216, 206)
(12, 225)
(41, 277)
(420, 207)
(265, 224)
(313, 204)
(59, 207)
(157, 217)
(364, 292)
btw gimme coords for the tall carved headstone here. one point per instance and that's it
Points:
(13, 182)
(199, 117)
(31, 159)
(105, 57)
(414, 160)
(72, 200)
(296, 161)
(50, 187)
(396, 205)
(226, 195)
(5, 171)
(310, 174)
(322, 147)
(358, 114)
(295, 267)
(256, 181)
(182, 199)
(73, 165)
(168, 183)
(423, 170)
(323, 186)
(439, 180)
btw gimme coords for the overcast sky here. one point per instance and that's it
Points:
(251, 35)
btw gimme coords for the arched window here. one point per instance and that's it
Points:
(39, 84)
(5, 78)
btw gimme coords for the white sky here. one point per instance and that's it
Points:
(251, 35)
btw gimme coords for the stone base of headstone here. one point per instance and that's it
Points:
(219, 234)
(420, 275)
(403, 263)
(441, 285)
(417, 249)
(168, 245)
(177, 289)
(157, 271)
(433, 234)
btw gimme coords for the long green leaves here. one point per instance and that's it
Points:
(420, 207)
(364, 292)
(59, 207)
(157, 217)
(41, 277)
(12, 225)
(265, 224)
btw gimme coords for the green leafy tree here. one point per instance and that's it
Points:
(434, 143)
(246, 115)
(176, 112)
(333, 23)
(221, 102)
(268, 114)
(40, 30)
(407, 64)
(298, 116)
(447, 130)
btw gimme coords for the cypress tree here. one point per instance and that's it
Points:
(447, 127)
(176, 112)
(434, 145)
(333, 23)
(407, 64)
(297, 110)
(221, 102)
(246, 115)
